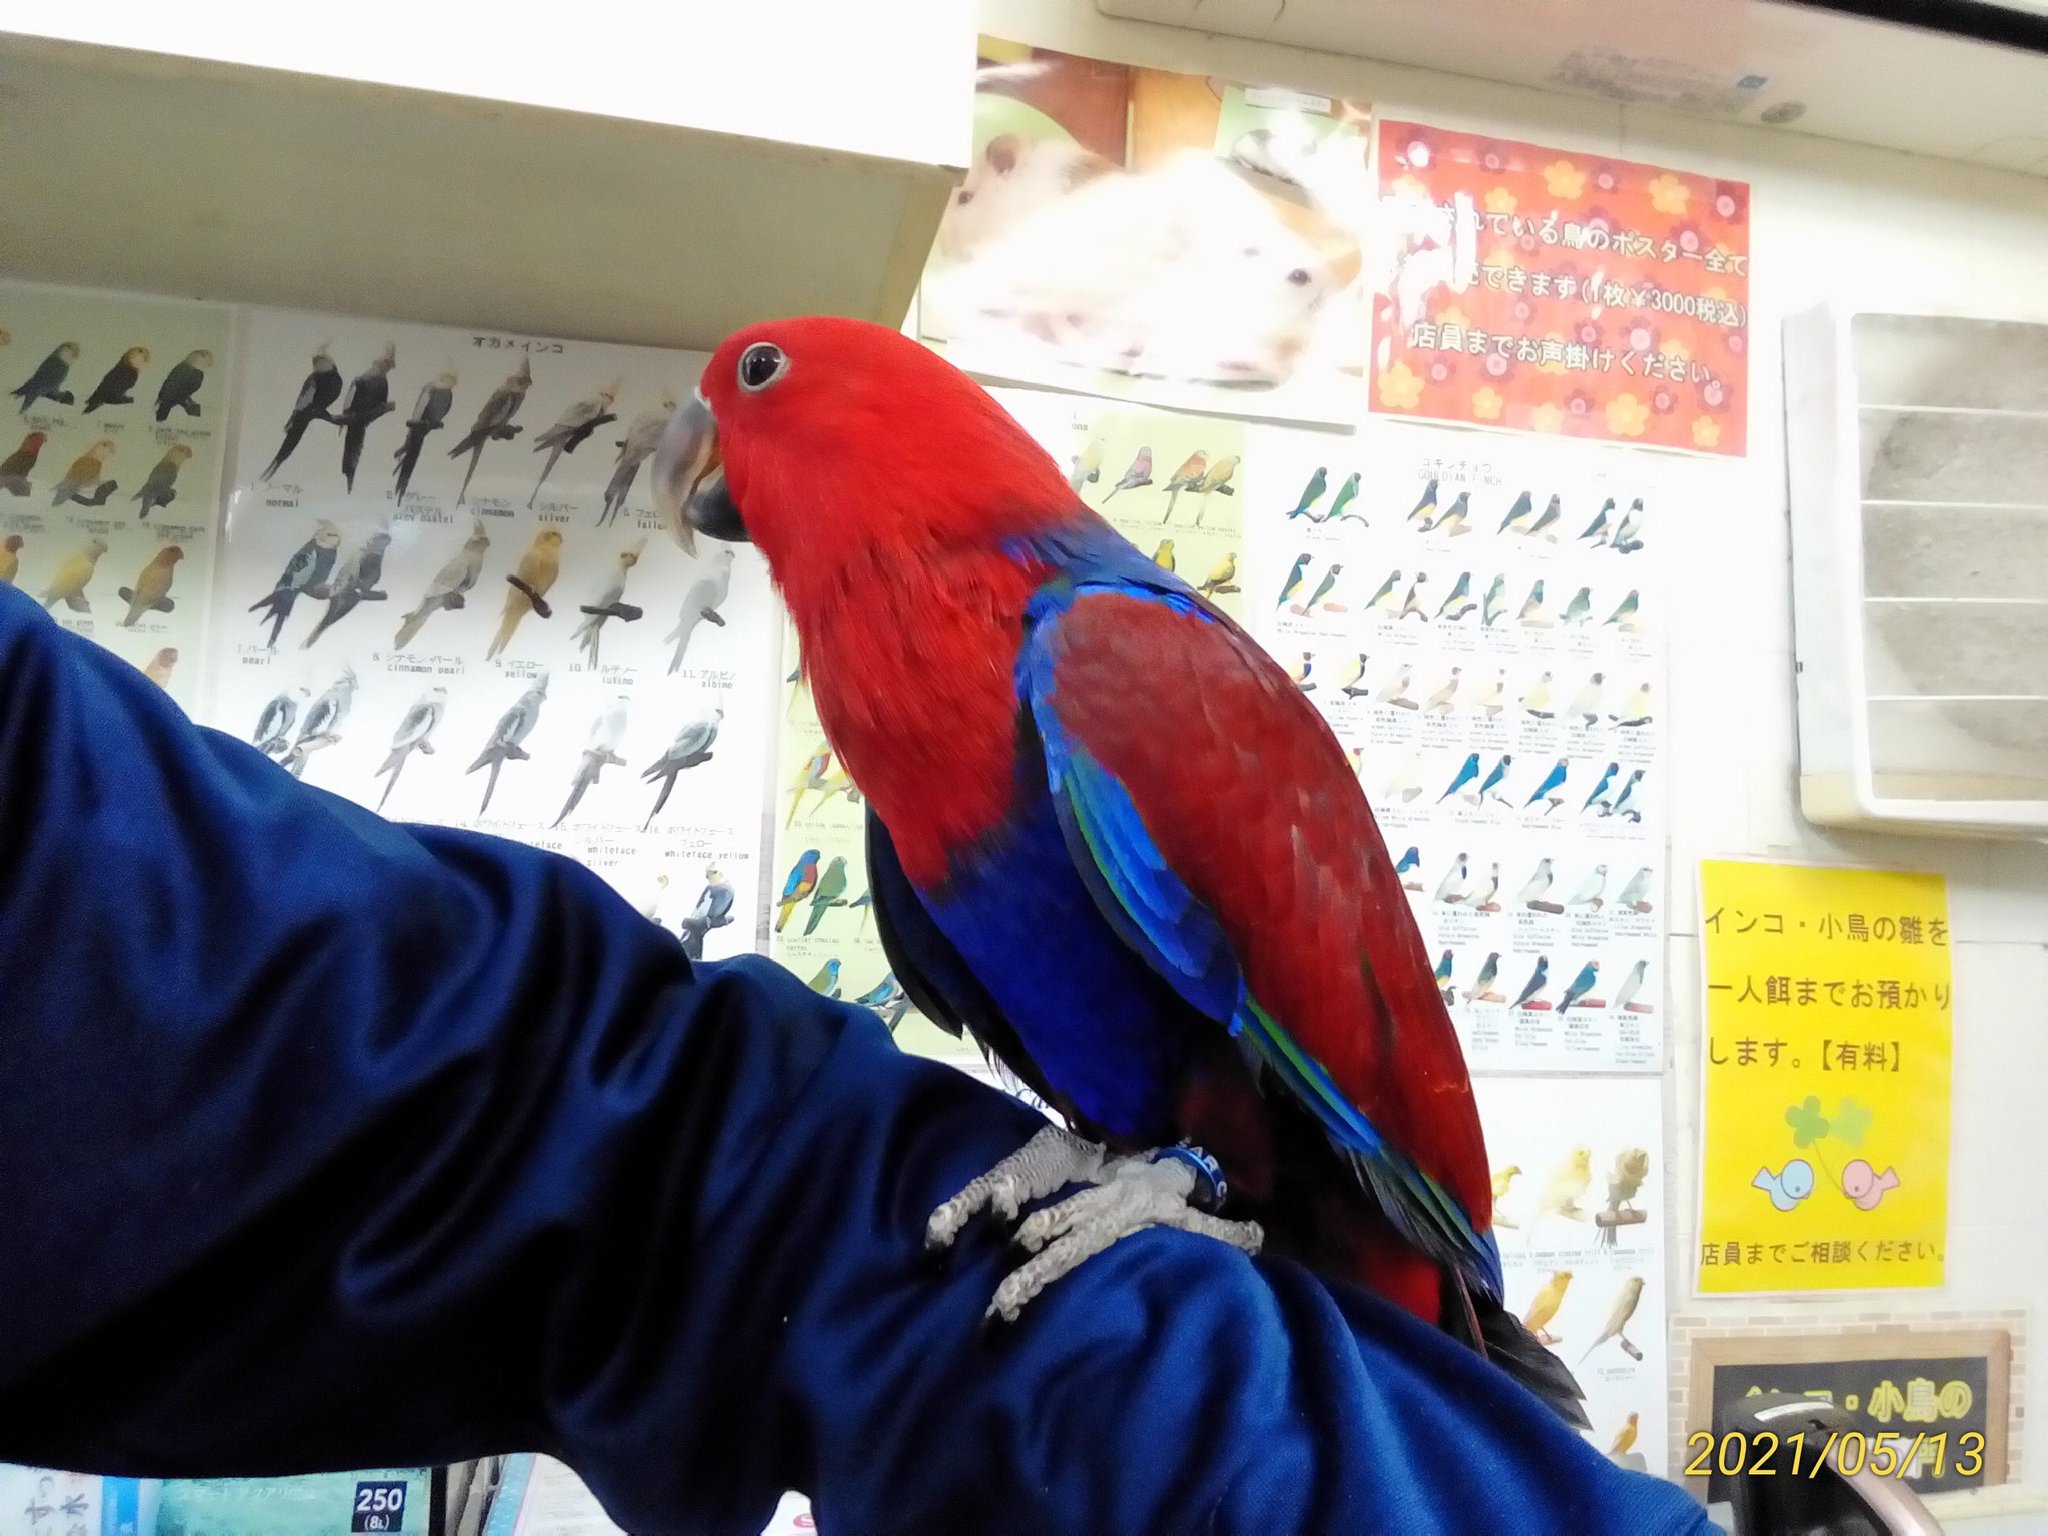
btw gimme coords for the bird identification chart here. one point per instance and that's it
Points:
(443, 594)
(1579, 1214)
(110, 467)
(1481, 622)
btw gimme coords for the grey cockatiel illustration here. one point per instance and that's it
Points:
(415, 733)
(429, 414)
(323, 722)
(493, 423)
(640, 440)
(369, 397)
(273, 734)
(451, 584)
(322, 387)
(47, 382)
(570, 431)
(307, 571)
(508, 737)
(600, 751)
(608, 603)
(354, 582)
(692, 746)
(701, 604)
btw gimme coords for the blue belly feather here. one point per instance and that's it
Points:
(1105, 1031)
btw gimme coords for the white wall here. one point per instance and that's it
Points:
(1831, 221)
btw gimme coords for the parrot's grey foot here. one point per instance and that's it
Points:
(1168, 1188)
(1044, 1165)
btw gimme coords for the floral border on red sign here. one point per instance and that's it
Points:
(1545, 291)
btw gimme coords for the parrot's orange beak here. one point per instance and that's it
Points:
(689, 479)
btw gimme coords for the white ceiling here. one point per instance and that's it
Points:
(1808, 70)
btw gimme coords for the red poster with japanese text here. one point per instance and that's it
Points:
(1545, 291)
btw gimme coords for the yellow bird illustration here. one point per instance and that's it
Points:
(1568, 1185)
(10, 559)
(68, 585)
(1624, 1439)
(1503, 1178)
(1087, 465)
(159, 669)
(1217, 479)
(1163, 555)
(537, 570)
(151, 592)
(815, 774)
(1618, 1318)
(1222, 577)
(1544, 1306)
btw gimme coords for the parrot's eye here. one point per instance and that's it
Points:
(761, 365)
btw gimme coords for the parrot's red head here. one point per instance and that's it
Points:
(822, 440)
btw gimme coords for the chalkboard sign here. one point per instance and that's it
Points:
(1931, 1406)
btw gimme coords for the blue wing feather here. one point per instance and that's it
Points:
(1154, 912)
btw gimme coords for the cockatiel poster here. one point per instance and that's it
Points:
(1501, 727)
(1168, 238)
(1537, 1128)
(483, 586)
(119, 411)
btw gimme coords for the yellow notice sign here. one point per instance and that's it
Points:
(1825, 1123)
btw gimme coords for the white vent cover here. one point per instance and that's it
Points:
(1918, 453)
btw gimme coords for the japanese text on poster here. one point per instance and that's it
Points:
(1533, 289)
(1825, 1126)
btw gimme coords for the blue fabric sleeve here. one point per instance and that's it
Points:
(330, 1143)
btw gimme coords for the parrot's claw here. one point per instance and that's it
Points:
(1138, 1192)
(1044, 1165)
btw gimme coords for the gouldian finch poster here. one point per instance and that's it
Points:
(1481, 620)
(1580, 1213)
(1825, 1070)
(110, 467)
(1177, 239)
(1541, 290)
(445, 593)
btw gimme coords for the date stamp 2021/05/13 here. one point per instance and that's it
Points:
(1891, 1454)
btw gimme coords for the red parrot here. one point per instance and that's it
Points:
(1107, 837)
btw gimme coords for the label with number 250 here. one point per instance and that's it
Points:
(379, 1507)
